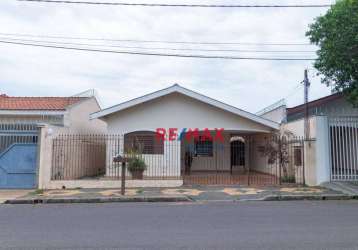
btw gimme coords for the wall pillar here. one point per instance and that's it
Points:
(310, 162)
(44, 156)
(317, 158)
(322, 150)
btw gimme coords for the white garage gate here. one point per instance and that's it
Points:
(343, 134)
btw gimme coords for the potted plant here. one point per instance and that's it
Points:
(136, 167)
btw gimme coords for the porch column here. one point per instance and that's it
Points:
(247, 153)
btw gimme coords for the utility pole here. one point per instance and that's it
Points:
(306, 83)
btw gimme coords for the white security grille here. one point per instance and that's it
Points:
(343, 132)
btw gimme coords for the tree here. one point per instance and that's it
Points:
(336, 33)
(277, 151)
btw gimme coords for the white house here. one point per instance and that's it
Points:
(20, 119)
(177, 109)
(71, 114)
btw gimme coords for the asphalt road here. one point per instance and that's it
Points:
(240, 225)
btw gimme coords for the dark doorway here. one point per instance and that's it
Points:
(237, 153)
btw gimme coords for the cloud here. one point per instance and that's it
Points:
(250, 85)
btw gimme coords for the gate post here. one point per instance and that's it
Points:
(323, 157)
(44, 156)
(123, 178)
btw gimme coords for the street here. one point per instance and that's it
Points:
(224, 225)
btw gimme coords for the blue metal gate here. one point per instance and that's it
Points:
(18, 155)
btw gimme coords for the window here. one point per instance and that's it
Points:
(203, 147)
(297, 155)
(143, 142)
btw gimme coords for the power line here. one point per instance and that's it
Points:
(294, 91)
(158, 54)
(280, 102)
(158, 48)
(154, 41)
(182, 5)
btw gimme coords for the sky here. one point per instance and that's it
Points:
(246, 84)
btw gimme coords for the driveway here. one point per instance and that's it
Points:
(9, 194)
(200, 225)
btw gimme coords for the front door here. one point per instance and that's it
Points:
(237, 154)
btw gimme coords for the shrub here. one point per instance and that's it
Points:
(136, 164)
(288, 179)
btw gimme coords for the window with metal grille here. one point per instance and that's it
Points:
(203, 146)
(143, 142)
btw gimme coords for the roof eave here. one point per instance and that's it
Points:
(31, 112)
(190, 93)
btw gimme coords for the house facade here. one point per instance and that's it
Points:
(183, 118)
(182, 137)
(20, 118)
(69, 113)
(333, 129)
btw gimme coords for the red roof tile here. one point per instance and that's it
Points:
(37, 103)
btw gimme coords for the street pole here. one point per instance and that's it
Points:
(306, 117)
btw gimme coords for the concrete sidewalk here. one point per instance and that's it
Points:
(10, 194)
(345, 187)
(182, 194)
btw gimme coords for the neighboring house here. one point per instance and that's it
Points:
(334, 105)
(333, 125)
(19, 121)
(275, 112)
(70, 113)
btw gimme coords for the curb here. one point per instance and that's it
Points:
(99, 200)
(308, 197)
(174, 199)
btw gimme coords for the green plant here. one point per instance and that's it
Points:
(136, 164)
(140, 191)
(288, 179)
(38, 192)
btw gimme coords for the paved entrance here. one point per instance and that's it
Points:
(12, 194)
(227, 178)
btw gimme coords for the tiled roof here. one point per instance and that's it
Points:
(37, 103)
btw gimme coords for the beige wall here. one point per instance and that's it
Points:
(259, 161)
(80, 158)
(77, 118)
(277, 115)
(297, 127)
(317, 156)
(177, 111)
(310, 163)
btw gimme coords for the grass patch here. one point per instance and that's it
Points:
(38, 192)
(288, 179)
